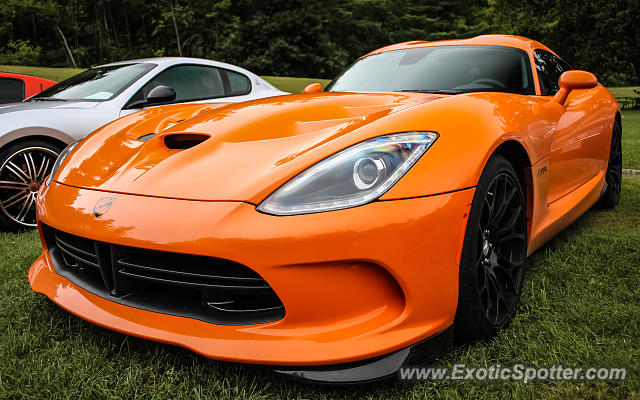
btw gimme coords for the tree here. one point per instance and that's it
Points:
(311, 38)
(599, 36)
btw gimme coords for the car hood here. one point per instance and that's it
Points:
(250, 149)
(46, 105)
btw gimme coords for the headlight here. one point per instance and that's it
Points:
(63, 156)
(352, 177)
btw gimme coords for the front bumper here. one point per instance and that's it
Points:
(356, 284)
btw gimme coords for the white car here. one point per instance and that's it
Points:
(34, 132)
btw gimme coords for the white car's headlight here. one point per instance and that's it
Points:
(352, 177)
(63, 156)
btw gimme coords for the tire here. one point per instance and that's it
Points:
(613, 177)
(24, 166)
(493, 253)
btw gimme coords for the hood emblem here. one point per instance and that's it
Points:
(103, 205)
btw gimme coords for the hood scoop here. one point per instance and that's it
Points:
(183, 141)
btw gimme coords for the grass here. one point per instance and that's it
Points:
(293, 85)
(631, 139)
(55, 74)
(580, 307)
(624, 91)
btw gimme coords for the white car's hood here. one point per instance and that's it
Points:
(63, 120)
(46, 105)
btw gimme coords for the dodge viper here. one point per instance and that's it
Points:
(333, 235)
(33, 132)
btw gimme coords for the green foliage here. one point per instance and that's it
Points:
(20, 52)
(276, 37)
(312, 38)
(599, 36)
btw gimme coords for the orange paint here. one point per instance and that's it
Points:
(355, 283)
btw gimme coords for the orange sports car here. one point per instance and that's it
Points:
(333, 236)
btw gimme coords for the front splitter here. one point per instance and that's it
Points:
(373, 369)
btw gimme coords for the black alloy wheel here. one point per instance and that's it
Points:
(613, 176)
(493, 254)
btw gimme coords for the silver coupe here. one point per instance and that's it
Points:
(34, 132)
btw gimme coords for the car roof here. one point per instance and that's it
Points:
(168, 61)
(517, 42)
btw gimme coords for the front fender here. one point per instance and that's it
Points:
(471, 127)
(35, 131)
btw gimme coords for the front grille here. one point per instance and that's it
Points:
(205, 288)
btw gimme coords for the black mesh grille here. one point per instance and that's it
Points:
(206, 288)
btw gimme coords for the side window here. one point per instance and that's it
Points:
(11, 90)
(238, 83)
(191, 82)
(549, 69)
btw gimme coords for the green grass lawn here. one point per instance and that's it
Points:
(293, 85)
(624, 91)
(580, 307)
(631, 139)
(55, 74)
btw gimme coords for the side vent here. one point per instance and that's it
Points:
(182, 141)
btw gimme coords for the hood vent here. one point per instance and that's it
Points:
(182, 141)
(146, 137)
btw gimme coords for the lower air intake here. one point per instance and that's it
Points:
(206, 288)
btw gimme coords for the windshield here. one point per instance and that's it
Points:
(444, 69)
(96, 84)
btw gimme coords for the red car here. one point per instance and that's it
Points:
(17, 87)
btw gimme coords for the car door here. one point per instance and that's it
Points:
(576, 150)
(194, 83)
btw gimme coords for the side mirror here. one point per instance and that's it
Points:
(313, 88)
(161, 94)
(575, 79)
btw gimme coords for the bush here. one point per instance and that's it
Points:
(20, 52)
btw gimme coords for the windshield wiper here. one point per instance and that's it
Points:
(45, 99)
(434, 91)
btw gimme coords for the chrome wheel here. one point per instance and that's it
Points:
(501, 249)
(21, 175)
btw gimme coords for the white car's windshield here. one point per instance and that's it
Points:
(96, 84)
(440, 69)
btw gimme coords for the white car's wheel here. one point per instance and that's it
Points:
(23, 168)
